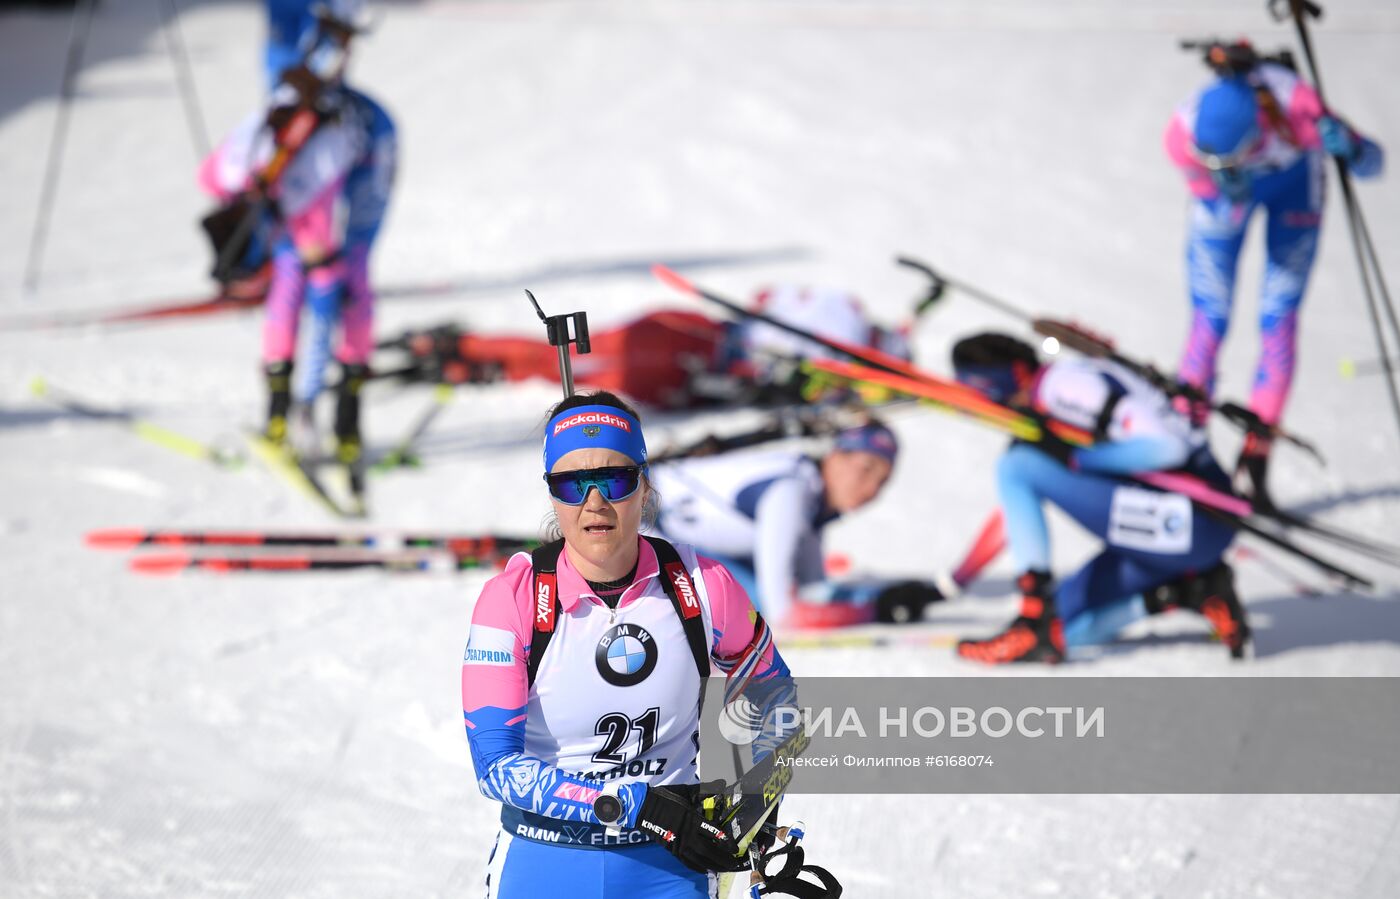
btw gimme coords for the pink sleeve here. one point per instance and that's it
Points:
(1304, 109)
(208, 176)
(736, 623)
(494, 668)
(1178, 143)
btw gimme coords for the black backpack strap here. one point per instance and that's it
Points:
(1116, 392)
(675, 579)
(548, 608)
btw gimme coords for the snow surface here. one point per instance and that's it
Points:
(301, 736)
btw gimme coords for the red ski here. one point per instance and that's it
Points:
(222, 302)
(462, 545)
(311, 559)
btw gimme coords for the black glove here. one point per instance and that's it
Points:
(903, 603)
(672, 816)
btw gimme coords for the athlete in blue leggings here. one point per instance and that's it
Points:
(1256, 138)
(1160, 552)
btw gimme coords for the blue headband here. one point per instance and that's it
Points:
(589, 427)
(997, 382)
(872, 438)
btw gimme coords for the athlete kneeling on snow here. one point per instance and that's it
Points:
(1161, 552)
(763, 513)
(582, 678)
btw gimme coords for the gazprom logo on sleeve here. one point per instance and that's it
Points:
(490, 646)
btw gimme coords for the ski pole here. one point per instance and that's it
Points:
(1243, 553)
(402, 454)
(1361, 244)
(1033, 428)
(942, 282)
(77, 40)
(865, 355)
(936, 285)
(180, 59)
(1095, 346)
(786, 424)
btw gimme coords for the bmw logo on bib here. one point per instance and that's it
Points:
(625, 655)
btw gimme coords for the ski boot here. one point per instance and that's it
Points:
(279, 401)
(1212, 596)
(1037, 634)
(349, 450)
(1251, 471)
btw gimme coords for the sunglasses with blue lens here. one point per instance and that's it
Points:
(614, 484)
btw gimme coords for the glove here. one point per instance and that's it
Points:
(904, 602)
(671, 816)
(1193, 409)
(1337, 139)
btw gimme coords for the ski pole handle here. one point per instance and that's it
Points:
(1282, 9)
(937, 285)
(558, 332)
(942, 282)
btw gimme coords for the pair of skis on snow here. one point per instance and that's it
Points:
(303, 475)
(229, 551)
(312, 478)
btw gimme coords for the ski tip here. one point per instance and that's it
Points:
(672, 278)
(164, 564)
(114, 538)
(1347, 367)
(38, 386)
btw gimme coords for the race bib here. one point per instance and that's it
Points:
(1150, 521)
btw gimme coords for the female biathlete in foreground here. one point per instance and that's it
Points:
(582, 678)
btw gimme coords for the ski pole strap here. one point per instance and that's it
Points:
(789, 882)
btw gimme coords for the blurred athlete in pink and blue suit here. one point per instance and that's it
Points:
(1250, 140)
(331, 200)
